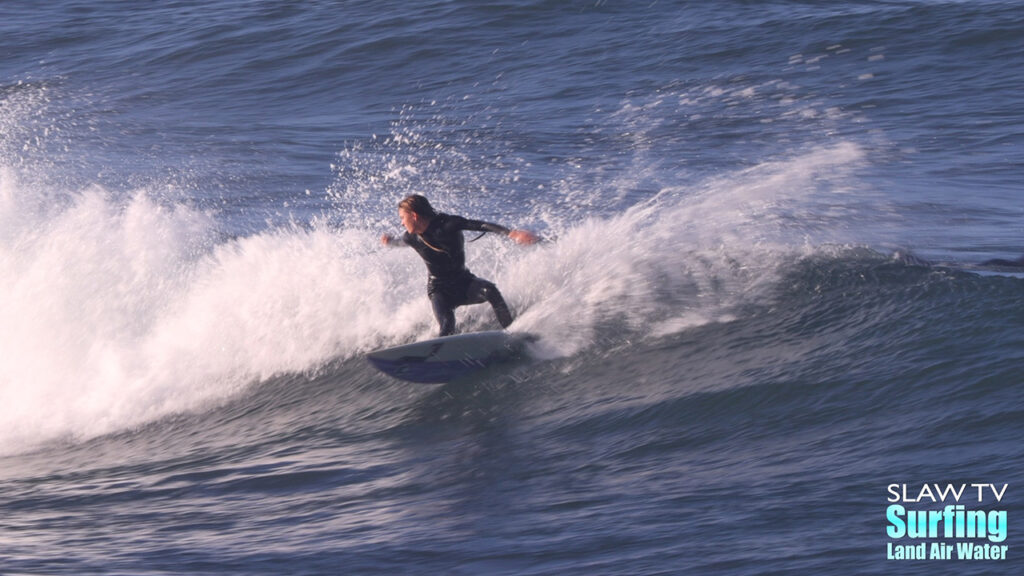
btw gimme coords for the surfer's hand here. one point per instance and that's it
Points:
(523, 237)
(386, 239)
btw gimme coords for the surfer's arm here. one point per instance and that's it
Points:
(518, 236)
(389, 240)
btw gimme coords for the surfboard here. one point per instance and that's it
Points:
(448, 358)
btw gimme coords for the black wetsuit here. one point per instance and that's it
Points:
(450, 283)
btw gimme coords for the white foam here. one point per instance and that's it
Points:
(114, 312)
(686, 257)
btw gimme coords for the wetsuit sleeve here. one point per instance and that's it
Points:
(478, 225)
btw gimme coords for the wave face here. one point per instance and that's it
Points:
(761, 300)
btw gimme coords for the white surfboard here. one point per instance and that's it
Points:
(449, 357)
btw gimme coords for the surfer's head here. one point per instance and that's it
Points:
(418, 205)
(416, 212)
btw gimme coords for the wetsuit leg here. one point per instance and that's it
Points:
(481, 290)
(444, 312)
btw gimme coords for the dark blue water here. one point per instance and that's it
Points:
(763, 301)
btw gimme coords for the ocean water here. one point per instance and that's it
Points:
(764, 308)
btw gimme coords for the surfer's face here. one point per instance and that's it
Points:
(412, 221)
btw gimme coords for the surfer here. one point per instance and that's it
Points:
(437, 238)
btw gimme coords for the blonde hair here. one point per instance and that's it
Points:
(418, 205)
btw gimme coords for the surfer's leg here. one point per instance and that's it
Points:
(484, 291)
(444, 312)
